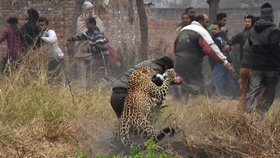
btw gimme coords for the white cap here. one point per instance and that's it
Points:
(87, 5)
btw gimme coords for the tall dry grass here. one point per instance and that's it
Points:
(213, 128)
(42, 119)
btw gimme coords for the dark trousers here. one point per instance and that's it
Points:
(55, 69)
(99, 67)
(117, 101)
(262, 84)
(54, 64)
(8, 64)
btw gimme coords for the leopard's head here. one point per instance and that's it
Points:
(138, 75)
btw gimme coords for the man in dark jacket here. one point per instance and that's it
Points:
(241, 37)
(265, 41)
(120, 89)
(192, 44)
(30, 31)
(244, 72)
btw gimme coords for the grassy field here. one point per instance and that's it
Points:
(38, 119)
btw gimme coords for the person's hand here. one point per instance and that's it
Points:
(106, 40)
(3, 54)
(226, 48)
(69, 39)
(178, 80)
(40, 34)
(229, 67)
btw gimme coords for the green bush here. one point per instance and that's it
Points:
(151, 151)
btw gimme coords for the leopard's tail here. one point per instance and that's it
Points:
(169, 131)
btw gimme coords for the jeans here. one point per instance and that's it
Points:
(262, 85)
(222, 77)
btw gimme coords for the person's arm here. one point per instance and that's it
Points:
(274, 45)
(51, 38)
(206, 39)
(234, 40)
(211, 51)
(207, 50)
(3, 36)
(81, 37)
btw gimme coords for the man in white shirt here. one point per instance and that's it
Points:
(48, 36)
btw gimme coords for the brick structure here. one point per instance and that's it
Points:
(60, 14)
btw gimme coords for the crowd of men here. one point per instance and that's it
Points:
(93, 54)
(196, 38)
(259, 57)
(32, 35)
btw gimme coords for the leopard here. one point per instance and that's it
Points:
(142, 95)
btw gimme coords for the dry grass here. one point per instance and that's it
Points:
(215, 128)
(43, 120)
(38, 119)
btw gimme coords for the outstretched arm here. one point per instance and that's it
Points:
(235, 39)
(211, 52)
(51, 38)
(81, 37)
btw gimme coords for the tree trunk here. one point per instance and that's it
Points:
(130, 12)
(143, 53)
(213, 9)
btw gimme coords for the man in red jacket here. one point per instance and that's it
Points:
(192, 44)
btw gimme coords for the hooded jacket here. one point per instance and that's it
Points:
(30, 31)
(265, 41)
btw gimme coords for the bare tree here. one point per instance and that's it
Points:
(143, 53)
(130, 12)
(213, 9)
